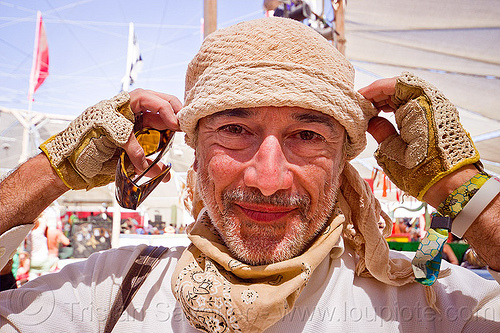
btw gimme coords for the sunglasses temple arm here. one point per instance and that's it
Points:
(157, 159)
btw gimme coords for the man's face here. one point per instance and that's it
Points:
(269, 178)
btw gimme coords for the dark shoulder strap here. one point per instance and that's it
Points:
(142, 266)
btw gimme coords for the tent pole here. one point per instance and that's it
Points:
(339, 10)
(117, 218)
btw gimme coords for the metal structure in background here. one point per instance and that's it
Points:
(22, 131)
(314, 12)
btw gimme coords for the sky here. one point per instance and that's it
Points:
(88, 47)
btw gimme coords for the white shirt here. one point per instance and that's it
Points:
(78, 298)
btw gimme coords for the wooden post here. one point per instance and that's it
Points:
(209, 17)
(339, 10)
(117, 221)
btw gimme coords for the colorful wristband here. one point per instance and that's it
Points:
(427, 261)
(463, 205)
(457, 200)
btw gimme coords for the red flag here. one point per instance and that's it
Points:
(40, 68)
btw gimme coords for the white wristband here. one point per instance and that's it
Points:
(475, 206)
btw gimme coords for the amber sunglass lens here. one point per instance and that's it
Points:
(149, 140)
(130, 193)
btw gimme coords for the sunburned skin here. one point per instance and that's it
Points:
(269, 178)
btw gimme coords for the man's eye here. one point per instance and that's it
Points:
(234, 129)
(309, 135)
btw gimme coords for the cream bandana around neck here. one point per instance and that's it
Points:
(219, 293)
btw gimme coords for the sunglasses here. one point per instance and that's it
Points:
(129, 193)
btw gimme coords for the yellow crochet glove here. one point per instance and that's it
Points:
(431, 142)
(84, 155)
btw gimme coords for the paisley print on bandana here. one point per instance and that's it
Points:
(221, 294)
(249, 296)
(206, 298)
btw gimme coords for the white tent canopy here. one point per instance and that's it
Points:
(454, 44)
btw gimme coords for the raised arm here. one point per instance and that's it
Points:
(428, 173)
(26, 192)
(484, 233)
(84, 155)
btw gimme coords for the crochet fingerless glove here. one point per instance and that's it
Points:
(431, 142)
(84, 155)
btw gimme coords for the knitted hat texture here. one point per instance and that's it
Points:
(273, 62)
(282, 62)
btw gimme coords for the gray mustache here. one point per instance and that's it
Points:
(279, 198)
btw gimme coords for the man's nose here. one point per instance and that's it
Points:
(269, 169)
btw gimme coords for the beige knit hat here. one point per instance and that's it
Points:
(273, 62)
(281, 62)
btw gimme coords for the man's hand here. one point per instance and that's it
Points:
(380, 93)
(484, 233)
(157, 111)
(22, 199)
(431, 143)
(85, 154)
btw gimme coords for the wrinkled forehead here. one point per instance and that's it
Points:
(293, 113)
(265, 115)
(273, 62)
